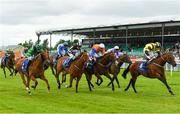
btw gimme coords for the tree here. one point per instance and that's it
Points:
(27, 44)
(45, 44)
(59, 42)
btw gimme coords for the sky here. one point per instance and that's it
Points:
(20, 19)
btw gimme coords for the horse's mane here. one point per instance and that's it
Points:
(106, 54)
(166, 53)
(37, 56)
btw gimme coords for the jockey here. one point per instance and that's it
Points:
(177, 45)
(97, 51)
(150, 50)
(116, 51)
(73, 53)
(30, 54)
(8, 52)
(62, 49)
(75, 49)
(33, 51)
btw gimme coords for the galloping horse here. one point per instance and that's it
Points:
(35, 70)
(155, 70)
(50, 64)
(115, 69)
(75, 70)
(8, 63)
(101, 68)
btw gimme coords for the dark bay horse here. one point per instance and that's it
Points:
(9, 64)
(35, 70)
(155, 70)
(100, 68)
(75, 70)
(115, 69)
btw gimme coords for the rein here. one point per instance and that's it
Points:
(158, 64)
(76, 65)
(162, 58)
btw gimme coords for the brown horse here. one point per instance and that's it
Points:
(75, 70)
(50, 64)
(155, 70)
(9, 64)
(115, 69)
(35, 70)
(100, 68)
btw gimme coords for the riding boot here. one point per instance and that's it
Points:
(146, 64)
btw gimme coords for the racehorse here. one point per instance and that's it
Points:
(75, 69)
(101, 67)
(8, 63)
(155, 70)
(50, 64)
(35, 70)
(115, 69)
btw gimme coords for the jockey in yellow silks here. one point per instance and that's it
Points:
(97, 50)
(151, 51)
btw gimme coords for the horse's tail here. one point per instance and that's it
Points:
(125, 72)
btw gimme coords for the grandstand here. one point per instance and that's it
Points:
(130, 37)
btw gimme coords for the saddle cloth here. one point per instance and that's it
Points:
(67, 62)
(25, 65)
(143, 67)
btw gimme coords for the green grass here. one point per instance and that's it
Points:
(152, 96)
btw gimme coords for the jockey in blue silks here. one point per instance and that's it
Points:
(116, 51)
(62, 49)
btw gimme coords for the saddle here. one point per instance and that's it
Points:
(67, 62)
(25, 65)
(89, 65)
(143, 67)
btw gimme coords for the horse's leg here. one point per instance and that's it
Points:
(35, 85)
(163, 80)
(52, 69)
(35, 81)
(89, 83)
(108, 76)
(63, 77)
(23, 78)
(42, 77)
(128, 85)
(27, 85)
(10, 71)
(133, 84)
(77, 82)
(99, 78)
(71, 80)
(57, 79)
(126, 71)
(90, 77)
(4, 71)
(117, 81)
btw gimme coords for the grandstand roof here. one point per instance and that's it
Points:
(92, 30)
